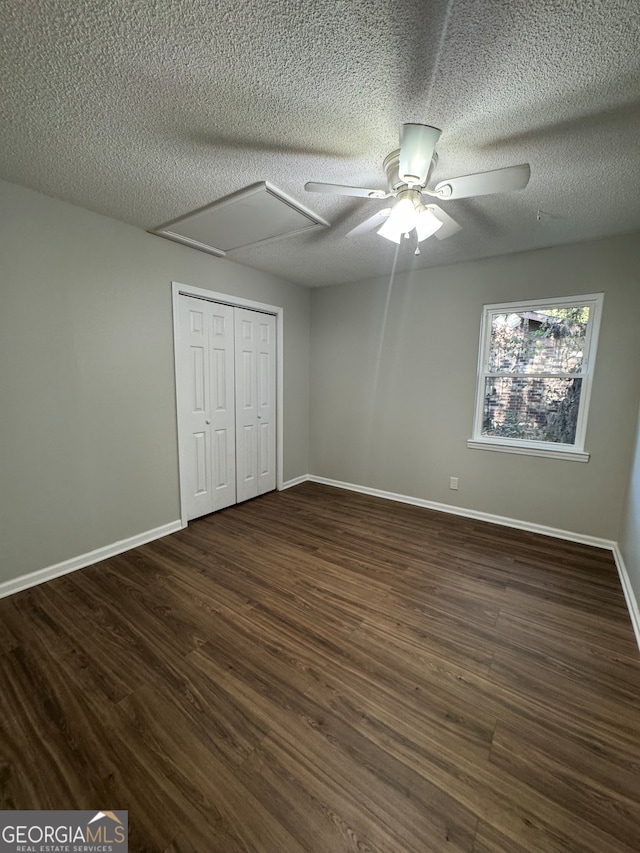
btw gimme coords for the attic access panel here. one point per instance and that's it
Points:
(257, 214)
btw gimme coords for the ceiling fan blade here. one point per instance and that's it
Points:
(449, 225)
(339, 189)
(369, 224)
(417, 144)
(485, 183)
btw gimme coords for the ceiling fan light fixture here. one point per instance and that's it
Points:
(403, 213)
(407, 214)
(401, 219)
(427, 223)
(389, 231)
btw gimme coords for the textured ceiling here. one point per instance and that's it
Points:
(144, 110)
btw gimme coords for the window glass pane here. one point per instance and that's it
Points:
(548, 340)
(531, 408)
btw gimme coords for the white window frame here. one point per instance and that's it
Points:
(575, 451)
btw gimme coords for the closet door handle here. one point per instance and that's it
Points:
(207, 422)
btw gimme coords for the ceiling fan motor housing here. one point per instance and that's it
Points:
(391, 167)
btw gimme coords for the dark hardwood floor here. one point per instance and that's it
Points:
(318, 671)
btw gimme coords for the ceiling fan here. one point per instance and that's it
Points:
(408, 171)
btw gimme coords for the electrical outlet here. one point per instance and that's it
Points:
(453, 482)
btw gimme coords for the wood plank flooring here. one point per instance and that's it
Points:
(318, 671)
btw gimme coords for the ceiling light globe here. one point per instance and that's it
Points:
(426, 223)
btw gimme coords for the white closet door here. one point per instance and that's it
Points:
(223, 407)
(266, 397)
(255, 403)
(206, 405)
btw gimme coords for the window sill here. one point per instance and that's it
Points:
(528, 450)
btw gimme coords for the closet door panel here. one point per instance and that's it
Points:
(266, 402)
(223, 414)
(206, 406)
(246, 408)
(193, 406)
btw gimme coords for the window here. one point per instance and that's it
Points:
(534, 376)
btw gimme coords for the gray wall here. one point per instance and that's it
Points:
(393, 386)
(88, 447)
(630, 528)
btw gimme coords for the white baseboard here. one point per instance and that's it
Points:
(41, 575)
(472, 513)
(629, 595)
(295, 482)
